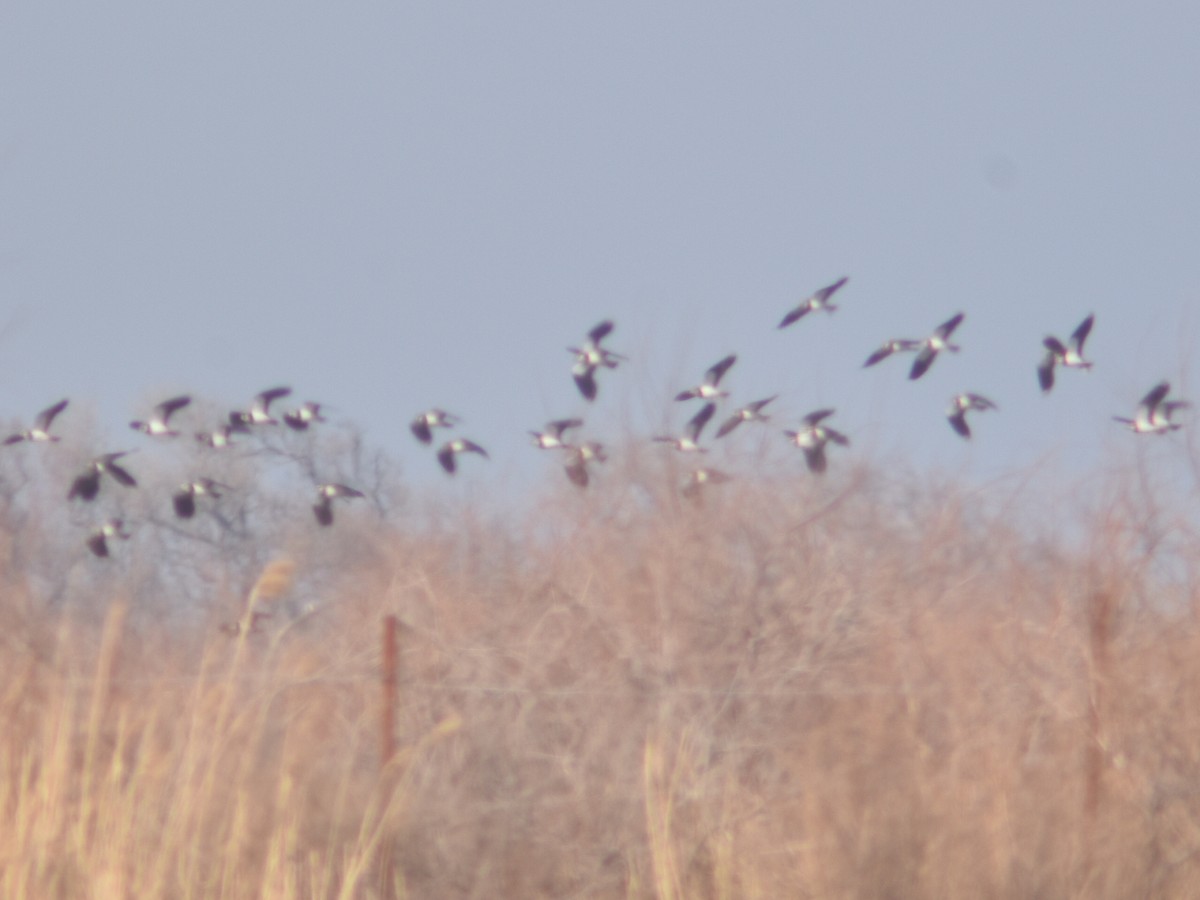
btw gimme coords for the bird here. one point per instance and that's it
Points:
(751, 412)
(813, 436)
(87, 484)
(422, 426)
(932, 345)
(700, 477)
(590, 357)
(708, 389)
(97, 542)
(960, 405)
(326, 493)
(303, 416)
(41, 426)
(551, 438)
(1069, 356)
(1154, 413)
(688, 442)
(446, 455)
(184, 499)
(896, 345)
(818, 300)
(219, 438)
(578, 458)
(260, 409)
(157, 425)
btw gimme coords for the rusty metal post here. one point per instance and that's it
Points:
(387, 719)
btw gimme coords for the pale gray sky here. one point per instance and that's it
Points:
(390, 206)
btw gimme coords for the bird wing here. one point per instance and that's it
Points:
(1080, 334)
(947, 328)
(46, 416)
(796, 314)
(828, 291)
(120, 474)
(958, 421)
(601, 331)
(585, 380)
(697, 422)
(420, 428)
(1046, 370)
(729, 424)
(717, 371)
(167, 407)
(1155, 396)
(880, 355)
(814, 417)
(922, 363)
(815, 458)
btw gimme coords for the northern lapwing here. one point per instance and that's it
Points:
(1069, 356)
(157, 424)
(41, 426)
(700, 477)
(934, 344)
(87, 484)
(449, 450)
(326, 494)
(819, 300)
(1154, 413)
(708, 389)
(184, 499)
(813, 436)
(97, 542)
(303, 416)
(751, 412)
(218, 439)
(590, 357)
(896, 345)
(578, 459)
(422, 426)
(551, 437)
(688, 442)
(960, 405)
(260, 409)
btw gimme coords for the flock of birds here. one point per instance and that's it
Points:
(1155, 414)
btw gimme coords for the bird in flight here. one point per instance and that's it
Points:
(1155, 412)
(960, 405)
(41, 426)
(551, 438)
(326, 493)
(708, 389)
(896, 345)
(1069, 355)
(822, 299)
(422, 426)
(591, 357)
(812, 438)
(446, 455)
(98, 541)
(688, 442)
(751, 412)
(934, 344)
(157, 425)
(87, 484)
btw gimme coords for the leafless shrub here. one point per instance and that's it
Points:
(870, 685)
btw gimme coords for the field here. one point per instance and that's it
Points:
(878, 684)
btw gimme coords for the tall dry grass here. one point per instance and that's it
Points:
(794, 689)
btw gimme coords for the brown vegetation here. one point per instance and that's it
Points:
(795, 688)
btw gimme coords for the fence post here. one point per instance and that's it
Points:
(387, 719)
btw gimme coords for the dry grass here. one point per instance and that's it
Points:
(799, 689)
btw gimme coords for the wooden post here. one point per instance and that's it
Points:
(387, 719)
